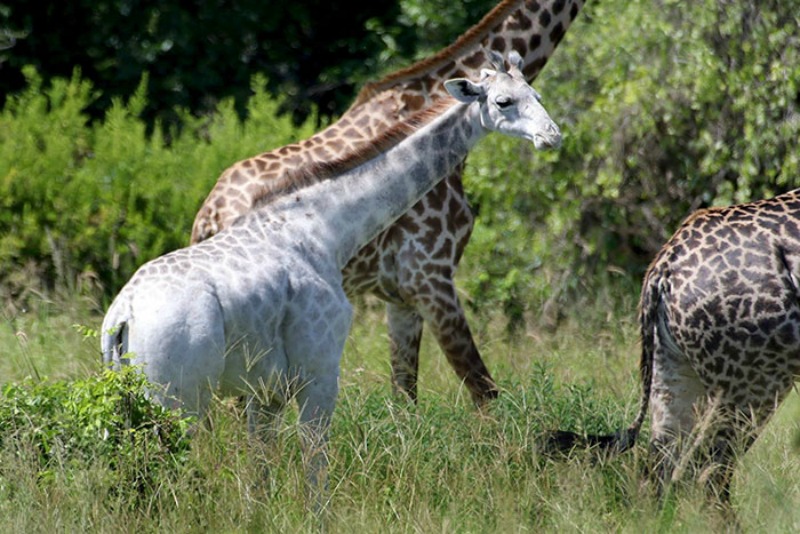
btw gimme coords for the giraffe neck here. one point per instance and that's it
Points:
(532, 28)
(348, 210)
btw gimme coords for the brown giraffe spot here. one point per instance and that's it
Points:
(499, 44)
(557, 33)
(525, 23)
(413, 101)
(444, 72)
(435, 199)
(515, 22)
(445, 251)
(363, 121)
(519, 44)
(535, 42)
(558, 6)
(544, 18)
(415, 86)
(352, 133)
(531, 70)
(434, 229)
(322, 153)
(429, 84)
(295, 160)
(475, 60)
(573, 11)
(410, 226)
(237, 177)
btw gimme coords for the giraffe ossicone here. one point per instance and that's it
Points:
(412, 264)
(260, 306)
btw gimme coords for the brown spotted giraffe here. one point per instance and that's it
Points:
(411, 265)
(720, 326)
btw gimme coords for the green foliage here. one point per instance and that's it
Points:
(105, 419)
(200, 53)
(83, 205)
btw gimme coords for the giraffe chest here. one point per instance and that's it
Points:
(428, 238)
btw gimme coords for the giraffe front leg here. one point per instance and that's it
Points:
(314, 346)
(405, 334)
(316, 398)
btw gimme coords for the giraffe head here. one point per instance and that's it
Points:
(508, 104)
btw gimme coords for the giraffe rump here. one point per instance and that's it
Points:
(720, 328)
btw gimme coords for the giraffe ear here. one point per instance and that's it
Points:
(463, 90)
(485, 73)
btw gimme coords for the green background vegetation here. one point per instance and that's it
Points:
(664, 110)
(666, 107)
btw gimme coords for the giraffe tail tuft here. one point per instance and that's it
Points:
(563, 442)
(653, 323)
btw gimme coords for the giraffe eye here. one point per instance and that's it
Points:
(503, 102)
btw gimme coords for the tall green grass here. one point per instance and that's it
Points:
(440, 466)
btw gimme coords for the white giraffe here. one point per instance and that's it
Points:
(260, 306)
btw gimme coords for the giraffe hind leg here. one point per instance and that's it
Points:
(405, 334)
(676, 393)
(442, 311)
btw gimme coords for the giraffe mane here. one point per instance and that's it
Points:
(318, 171)
(468, 39)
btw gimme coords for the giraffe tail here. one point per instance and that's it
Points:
(652, 321)
(114, 341)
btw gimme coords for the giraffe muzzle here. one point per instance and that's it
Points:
(549, 138)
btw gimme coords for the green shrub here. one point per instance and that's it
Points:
(106, 419)
(87, 204)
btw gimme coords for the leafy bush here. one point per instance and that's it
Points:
(105, 419)
(85, 204)
(201, 52)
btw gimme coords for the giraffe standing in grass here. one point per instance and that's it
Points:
(411, 264)
(720, 326)
(259, 308)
